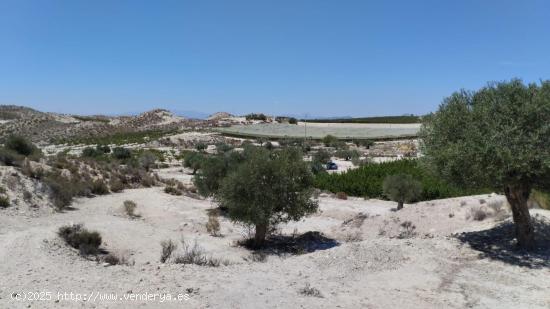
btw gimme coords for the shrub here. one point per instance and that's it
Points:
(87, 242)
(341, 196)
(223, 148)
(367, 143)
(103, 148)
(292, 120)
(27, 196)
(195, 255)
(168, 247)
(99, 187)
(9, 157)
(367, 180)
(329, 140)
(193, 160)
(172, 190)
(322, 156)
(20, 145)
(116, 185)
(347, 154)
(201, 147)
(401, 188)
(62, 190)
(4, 201)
(310, 291)
(213, 224)
(130, 208)
(117, 259)
(90, 152)
(147, 160)
(408, 230)
(121, 153)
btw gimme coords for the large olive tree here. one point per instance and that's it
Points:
(269, 187)
(498, 137)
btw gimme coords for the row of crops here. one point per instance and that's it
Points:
(317, 131)
(367, 180)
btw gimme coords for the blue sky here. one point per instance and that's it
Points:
(321, 57)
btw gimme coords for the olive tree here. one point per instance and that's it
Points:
(495, 137)
(268, 188)
(401, 188)
(193, 160)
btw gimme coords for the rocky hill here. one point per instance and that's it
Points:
(47, 127)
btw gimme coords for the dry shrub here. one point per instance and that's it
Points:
(310, 291)
(76, 236)
(168, 247)
(118, 259)
(99, 187)
(341, 196)
(408, 230)
(213, 224)
(116, 184)
(172, 190)
(477, 213)
(130, 208)
(194, 254)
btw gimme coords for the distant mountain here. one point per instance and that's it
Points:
(191, 114)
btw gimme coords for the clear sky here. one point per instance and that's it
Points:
(321, 57)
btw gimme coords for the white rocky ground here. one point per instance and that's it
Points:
(371, 261)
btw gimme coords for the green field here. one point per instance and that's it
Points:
(319, 130)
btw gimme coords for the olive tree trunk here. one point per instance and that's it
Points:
(517, 196)
(259, 237)
(399, 205)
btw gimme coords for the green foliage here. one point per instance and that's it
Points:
(193, 160)
(201, 147)
(268, 188)
(321, 156)
(223, 148)
(90, 152)
(497, 136)
(121, 153)
(330, 140)
(62, 190)
(4, 201)
(99, 187)
(20, 145)
(366, 181)
(9, 157)
(401, 188)
(214, 169)
(256, 117)
(103, 148)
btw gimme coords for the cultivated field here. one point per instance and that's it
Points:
(319, 130)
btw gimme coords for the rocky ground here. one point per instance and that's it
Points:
(439, 254)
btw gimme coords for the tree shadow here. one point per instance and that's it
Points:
(292, 244)
(498, 243)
